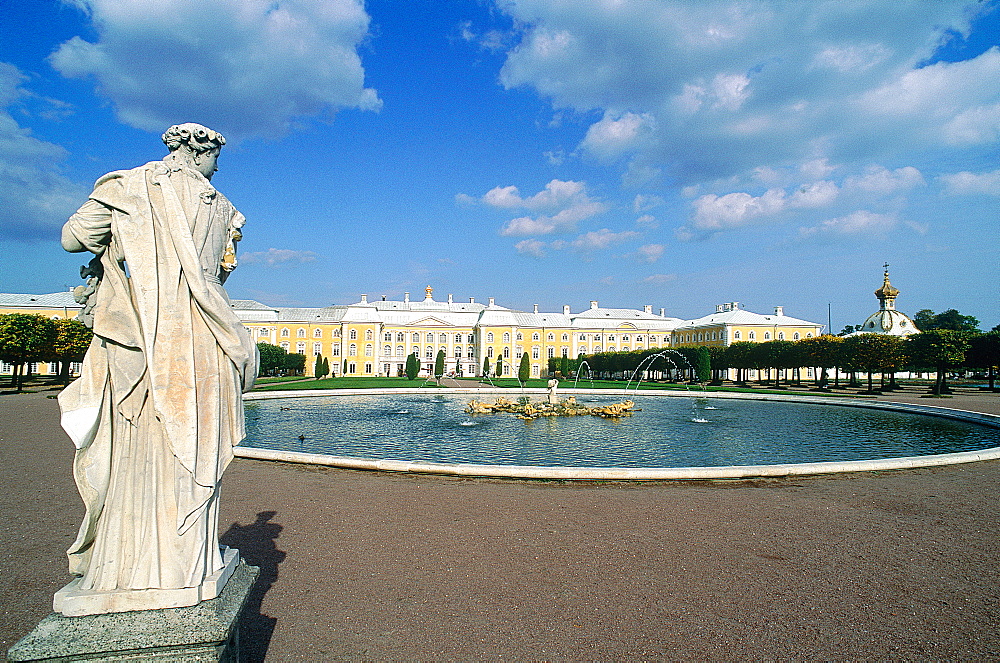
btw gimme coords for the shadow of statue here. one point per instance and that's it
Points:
(256, 543)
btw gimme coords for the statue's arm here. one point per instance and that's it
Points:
(89, 229)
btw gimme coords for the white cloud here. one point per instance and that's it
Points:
(649, 252)
(707, 90)
(713, 212)
(274, 257)
(35, 197)
(601, 239)
(647, 221)
(617, 134)
(657, 279)
(531, 247)
(965, 183)
(880, 180)
(861, 222)
(644, 203)
(566, 203)
(243, 67)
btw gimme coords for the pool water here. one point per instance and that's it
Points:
(667, 432)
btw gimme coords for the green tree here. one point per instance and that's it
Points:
(293, 363)
(821, 352)
(318, 367)
(984, 352)
(71, 344)
(486, 367)
(272, 358)
(439, 366)
(940, 349)
(874, 353)
(326, 367)
(412, 368)
(564, 365)
(928, 320)
(702, 364)
(24, 338)
(498, 371)
(740, 355)
(524, 369)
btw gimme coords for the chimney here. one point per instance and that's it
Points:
(593, 304)
(735, 305)
(648, 308)
(472, 300)
(406, 297)
(663, 312)
(451, 298)
(719, 308)
(491, 301)
(565, 309)
(779, 310)
(535, 309)
(364, 299)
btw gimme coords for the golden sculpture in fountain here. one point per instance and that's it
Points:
(525, 409)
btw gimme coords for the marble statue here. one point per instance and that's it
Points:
(158, 407)
(553, 399)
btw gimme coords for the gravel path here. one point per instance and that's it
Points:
(898, 565)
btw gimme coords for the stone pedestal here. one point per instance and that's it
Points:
(208, 631)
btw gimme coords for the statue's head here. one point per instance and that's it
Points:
(196, 145)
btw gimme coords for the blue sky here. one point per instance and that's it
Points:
(554, 152)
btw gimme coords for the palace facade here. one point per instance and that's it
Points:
(373, 338)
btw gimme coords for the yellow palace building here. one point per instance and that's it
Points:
(373, 338)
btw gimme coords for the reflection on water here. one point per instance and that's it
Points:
(668, 432)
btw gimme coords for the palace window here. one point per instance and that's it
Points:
(442, 338)
(534, 352)
(489, 337)
(611, 348)
(536, 337)
(781, 336)
(352, 368)
(470, 338)
(284, 332)
(352, 350)
(534, 370)
(416, 337)
(519, 336)
(565, 337)
(551, 336)
(387, 337)
(387, 351)
(300, 347)
(489, 352)
(284, 345)
(597, 348)
(625, 337)
(611, 337)
(638, 339)
(369, 335)
(416, 351)
(430, 337)
(336, 351)
(368, 368)
(301, 333)
(565, 352)
(752, 336)
(400, 337)
(353, 335)
(369, 350)
(336, 333)
(458, 352)
(552, 352)
(795, 336)
(429, 352)
(317, 348)
(399, 350)
(506, 337)
(736, 335)
(583, 337)
(767, 336)
(506, 353)
(318, 332)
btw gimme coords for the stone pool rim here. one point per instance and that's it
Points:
(566, 473)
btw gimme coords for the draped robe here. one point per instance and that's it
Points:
(158, 407)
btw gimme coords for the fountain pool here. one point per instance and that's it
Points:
(676, 435)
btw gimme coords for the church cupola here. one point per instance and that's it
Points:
(887, 294)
